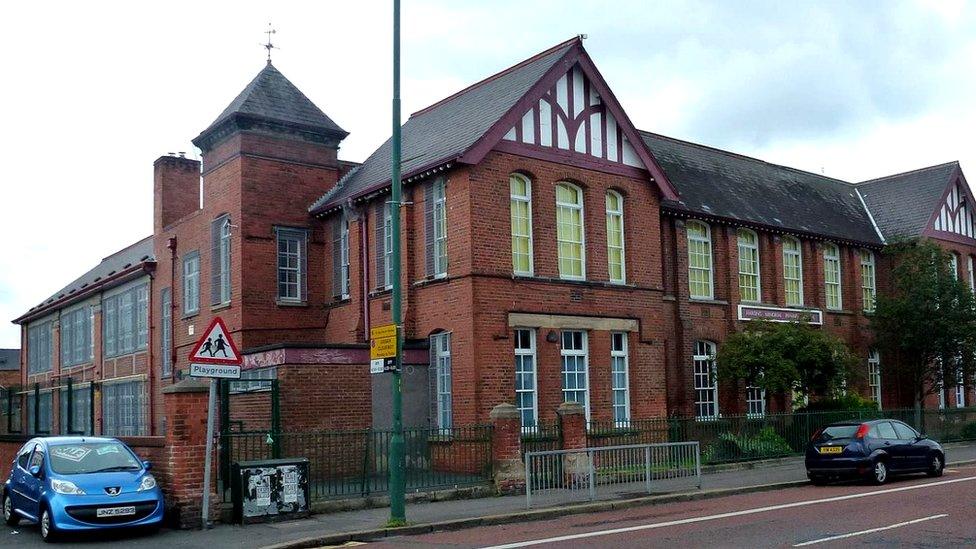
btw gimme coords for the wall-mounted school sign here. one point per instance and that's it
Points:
(216, 354)
(382, 348)
(778, 314)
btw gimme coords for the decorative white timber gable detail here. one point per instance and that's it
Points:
(956, 214)
(573, 117)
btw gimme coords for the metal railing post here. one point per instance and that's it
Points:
(528, 481)
(698, 464)
(592, 475)
(647, 468)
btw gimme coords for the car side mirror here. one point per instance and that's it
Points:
(920, 437)
(146, 464)
(35, 471)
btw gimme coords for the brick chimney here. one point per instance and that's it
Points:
(176, 189)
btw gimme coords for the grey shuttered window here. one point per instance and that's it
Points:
(125, 319)
(220, 260)
(340, 257)
(191, 283)
(76, 336)
(166, 300)
(292, 264)
(380, 240)
(39, 347)
(123, 409)
(435, 228)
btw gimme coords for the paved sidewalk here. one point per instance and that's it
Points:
(788, 470)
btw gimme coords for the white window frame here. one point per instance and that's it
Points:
(954, 265)
(874, 375)
(832, 270)
(620, 379)
(960, 388)
(868, 281)
(755, 401)
(567, 354)
(571, 207)
(526, 369)
(705, 381)
(616, 214)
(750, 251)
(516, 199)
(223, 250)
(798, 255)
(440, 228)
(299, 239)
(440, 345)
(696, 241)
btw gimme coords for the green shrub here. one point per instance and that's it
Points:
(842, 403)
(731, 447)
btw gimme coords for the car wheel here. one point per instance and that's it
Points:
(936, 465)
(48, 532)
(11, 518)
(879, 473)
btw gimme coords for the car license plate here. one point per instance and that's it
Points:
(831, 449)
(115, 511)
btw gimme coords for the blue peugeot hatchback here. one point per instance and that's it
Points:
(81, 483)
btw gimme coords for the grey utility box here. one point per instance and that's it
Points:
(273, 489)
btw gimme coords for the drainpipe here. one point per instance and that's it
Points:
(149, 350)
(364, 261)
(171, 244)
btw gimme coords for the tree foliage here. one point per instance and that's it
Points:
(786, 357)
(926, 319)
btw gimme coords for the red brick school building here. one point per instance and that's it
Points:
(552, 251)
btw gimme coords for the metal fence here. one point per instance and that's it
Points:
(356, 463)
(557, 476)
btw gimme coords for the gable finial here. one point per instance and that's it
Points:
(269, 46)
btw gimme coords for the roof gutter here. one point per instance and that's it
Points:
(118, 278)
(871, 217)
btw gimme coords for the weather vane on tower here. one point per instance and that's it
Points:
(269, 46)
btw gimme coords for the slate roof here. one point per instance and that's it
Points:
(272, 97)
(446, 129)
(903, 203)
(135, 254)
(718, 183)
(9, 359)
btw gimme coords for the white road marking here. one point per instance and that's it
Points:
(871, 531)
(753, 511)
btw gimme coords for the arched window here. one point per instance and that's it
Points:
(867, 280)
(520, 189)
(706, 386)
(615, 237)
(749, 288)
(832, 285)
(699, 260)
(793, 272)
(569, 231)
(874, 375)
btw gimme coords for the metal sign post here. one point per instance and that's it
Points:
(215, 356)
(398, 513)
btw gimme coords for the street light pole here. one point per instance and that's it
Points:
(397, 486)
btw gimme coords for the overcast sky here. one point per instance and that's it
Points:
(93, 92)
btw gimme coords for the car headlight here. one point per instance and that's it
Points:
(66, 487)
(148, 483)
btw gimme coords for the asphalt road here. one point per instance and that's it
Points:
(909, 512)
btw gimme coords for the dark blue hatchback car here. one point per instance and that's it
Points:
(80, 483)
(874, 450)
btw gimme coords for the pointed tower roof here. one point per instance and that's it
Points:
(270, 100)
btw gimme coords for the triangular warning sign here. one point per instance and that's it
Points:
(216, 346)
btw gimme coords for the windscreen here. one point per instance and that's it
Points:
(837, 432)
(92, 457)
